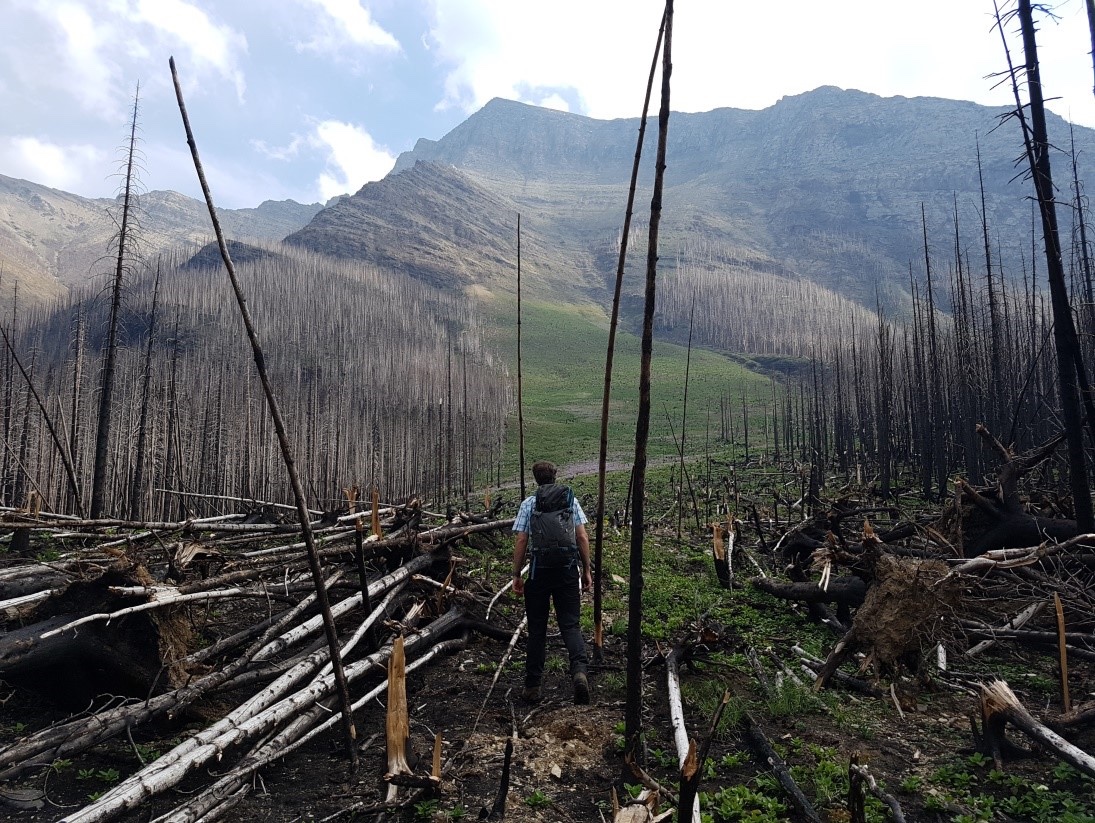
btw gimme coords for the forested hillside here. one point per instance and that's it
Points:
(52, 241)
(381, 377)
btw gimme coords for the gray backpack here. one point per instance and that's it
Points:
(553, 543)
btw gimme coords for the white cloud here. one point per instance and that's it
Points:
(536, 51)
(353, 158)
(93, 74)
(745, 55)
(66, 167)
(92, 51)
(346, 23)
(280, 152)
(554, 101)
(180, 24)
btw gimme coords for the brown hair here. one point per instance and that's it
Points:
(544, 472)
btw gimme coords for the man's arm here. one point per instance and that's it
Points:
(520, 547)
(582, 538)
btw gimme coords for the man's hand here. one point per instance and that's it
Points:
(518, 584)
(587, 581)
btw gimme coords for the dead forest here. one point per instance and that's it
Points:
(901, 536)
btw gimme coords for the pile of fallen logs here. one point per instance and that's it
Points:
(113, 607)
(997, 567)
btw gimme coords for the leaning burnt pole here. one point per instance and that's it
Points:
(633, 709)
(283, 441)
(613, 323)
(1069, 361)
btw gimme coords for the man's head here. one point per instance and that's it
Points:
(544, 472)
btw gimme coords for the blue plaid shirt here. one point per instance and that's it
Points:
(524, 515)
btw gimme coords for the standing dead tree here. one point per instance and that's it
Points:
(602, 459)
(136, 488)
(633, 709)
(106, 394)
(66, 457)
(1070, 368)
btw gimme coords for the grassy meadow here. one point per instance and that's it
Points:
(563, 357)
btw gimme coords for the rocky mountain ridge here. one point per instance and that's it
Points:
(827, 186)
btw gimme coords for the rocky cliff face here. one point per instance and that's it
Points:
(827, 185)
(436, 223)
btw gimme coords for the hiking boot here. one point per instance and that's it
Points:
(581, 689)
(531, 694)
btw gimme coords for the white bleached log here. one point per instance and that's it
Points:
(1016, 622)
(999, 706)
(240, 725)
(315, 624)
(162, 598)
(676, 716)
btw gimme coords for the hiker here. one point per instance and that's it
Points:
(550, 531)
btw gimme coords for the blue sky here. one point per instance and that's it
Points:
(306, 99)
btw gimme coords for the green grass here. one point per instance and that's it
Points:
(680, 587)
(981, 793)
(563, 355)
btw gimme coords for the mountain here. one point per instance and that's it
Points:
(438, 226)
(51, 240)
(826, 185)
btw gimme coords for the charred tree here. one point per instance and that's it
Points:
(136, 486)
(1069, 360)
(602, 459)
(633, 707)
(106, 387)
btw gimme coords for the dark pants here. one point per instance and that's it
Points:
(560, 585)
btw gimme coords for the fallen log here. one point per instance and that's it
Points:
(1000, 707)
(820, 611)
(259, 716)
(849, 591)
(162, 597)
(846, 681)
(31, 578)
(1031, 636)
(124, 658)
(204, 806)
(759, 743)
(343, 607)
(1078, 717)
(67, 739)
(1016, 622)
(998, 517)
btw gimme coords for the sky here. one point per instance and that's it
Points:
(308, 99)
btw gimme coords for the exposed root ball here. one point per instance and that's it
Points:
(902, 611)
